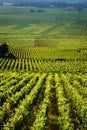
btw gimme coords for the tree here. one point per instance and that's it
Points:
(3, 50)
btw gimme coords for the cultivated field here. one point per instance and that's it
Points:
(44, 85)
(41, 101)
(20, 26)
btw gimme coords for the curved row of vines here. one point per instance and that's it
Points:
(36, 65)
(43, 101)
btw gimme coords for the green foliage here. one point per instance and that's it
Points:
(77, 101)
(19, 27)
(54, 44)
(41, 116)
(71, 96)
(63, 107)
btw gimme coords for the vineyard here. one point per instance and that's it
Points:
(42, 65)
(45, 60)
(43, 74)
(41, 101)
(19, 27)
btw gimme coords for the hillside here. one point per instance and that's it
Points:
(43, 66)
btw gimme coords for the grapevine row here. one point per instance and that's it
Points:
(77, 101)
(23, 110)
(20, 94)
(41, 116)
(63, 107)
(42, 65)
